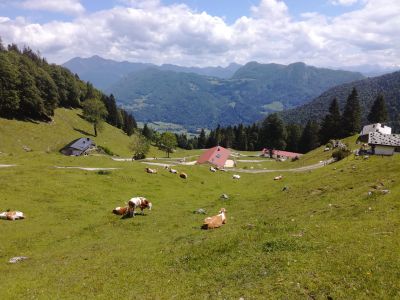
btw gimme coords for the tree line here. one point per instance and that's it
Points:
(31, 88)
(273, 133)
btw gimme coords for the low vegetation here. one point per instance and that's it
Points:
(329, 233)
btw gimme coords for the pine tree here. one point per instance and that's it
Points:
(309, 139)
(351, 119)
(147, 132)
(129, 123)
(293, 137)
(201, 143)
(378, 113)
(273, 132)
(330, 127)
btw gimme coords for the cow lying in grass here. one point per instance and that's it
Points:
(215, 221)
(151, 171)
(183, 175)
(12, 215)
(134, 203)
(278, 177)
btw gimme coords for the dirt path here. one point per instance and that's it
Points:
(88, 169)
(7, 166)
(300, 169)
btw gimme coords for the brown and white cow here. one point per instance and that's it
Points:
(12, 215)
(137, 202)
(151, 171)
(183, 175)
(120, 210)
(215, 221)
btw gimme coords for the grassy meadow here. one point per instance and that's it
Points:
(323, 237)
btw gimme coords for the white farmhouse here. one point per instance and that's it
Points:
(383, 144)
(377, 127)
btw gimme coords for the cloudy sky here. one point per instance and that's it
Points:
(330, 33)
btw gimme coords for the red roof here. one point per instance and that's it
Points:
(283, 153)
(216, 156)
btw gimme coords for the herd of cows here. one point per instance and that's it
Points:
(129, 210)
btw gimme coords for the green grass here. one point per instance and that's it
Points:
(322, 237)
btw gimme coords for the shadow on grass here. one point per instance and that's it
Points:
(83, 132)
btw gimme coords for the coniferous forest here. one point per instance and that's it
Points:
(31, 89)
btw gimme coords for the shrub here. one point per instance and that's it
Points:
(105, 150)
(341, 153)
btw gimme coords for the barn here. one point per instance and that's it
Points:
(78, 147)
(216, 156)
(383, 144)
(280, 154)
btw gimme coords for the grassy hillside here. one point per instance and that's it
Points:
(51, 137)
(322, 237)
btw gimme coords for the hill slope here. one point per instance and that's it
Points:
(196, 101)
(368, 89)
(66, 126)
(323, 237)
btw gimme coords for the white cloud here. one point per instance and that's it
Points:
(63, 6)
(344, 2)
(176, 34)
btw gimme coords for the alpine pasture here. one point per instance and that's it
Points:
(316, 234)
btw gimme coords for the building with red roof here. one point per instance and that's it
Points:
(216, 156)
(280, 154)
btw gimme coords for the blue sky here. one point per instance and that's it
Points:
(230, 10)
(330, 33)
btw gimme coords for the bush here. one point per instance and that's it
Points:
(139, 156)
(105, 150)
(341, 153)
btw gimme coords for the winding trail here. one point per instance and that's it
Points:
(300, 169)
(7, 166)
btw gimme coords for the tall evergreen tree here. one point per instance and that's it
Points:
(129, 123)
(309, 139)
(293, 137)
(147, 132)
(378, 113)
(201, 142)
(330, 127)
(273, 132)
(351, 119)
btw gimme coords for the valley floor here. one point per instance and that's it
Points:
(322, 236)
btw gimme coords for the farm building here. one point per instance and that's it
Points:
(377, 127)
(380, 139)
(78, 147)
(279, 154)
(217, 156)
(383, 144)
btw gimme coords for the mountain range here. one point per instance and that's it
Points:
(103, 73)
(205, 97)
(368, 89)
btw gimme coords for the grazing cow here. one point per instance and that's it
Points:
(236, 176)
(12, 215)
(120, 210)
(215, 221)
(212, 169)
(151, 171)
(278, 177)
(137, 202)
(183, 175)
(173, 171)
